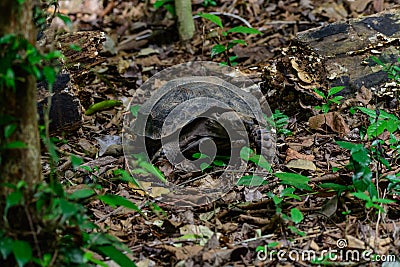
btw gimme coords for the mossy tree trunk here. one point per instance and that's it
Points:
(20, 104)
(185, 19)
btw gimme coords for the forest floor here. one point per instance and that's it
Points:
(232, 230)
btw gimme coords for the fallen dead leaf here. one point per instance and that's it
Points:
(353, 242)
(302, 164)
(293, 154)
(334, 120)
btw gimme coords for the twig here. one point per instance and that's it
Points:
(228, 15)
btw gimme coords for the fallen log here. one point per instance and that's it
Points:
(82, 51)
(337, 54)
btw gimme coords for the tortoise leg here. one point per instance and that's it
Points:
(265, 142)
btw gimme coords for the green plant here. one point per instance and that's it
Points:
(219, 161)
(329, 99)
(61, 233)
(380, 121)
(9, 125)
(392, 70)
(373, 202)
(280, 121)
(359, 162)
(167, 4)
(394, 183)
(207, 3)
(220, 37)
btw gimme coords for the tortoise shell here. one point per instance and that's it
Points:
(180, 101)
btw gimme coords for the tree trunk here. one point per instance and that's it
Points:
(21, 164)
(185, 19)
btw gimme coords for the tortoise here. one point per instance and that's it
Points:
(188, 114)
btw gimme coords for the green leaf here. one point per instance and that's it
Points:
(325, 108)
(392, 125)
(336, 187)
(335, 90)
(198, 155)
(171, 9)
(49, 74)
(22, 252)
(68, 209)
(134, 110)
(294, 179)
(320, 93)
(246, 153)
(126, 177)
(243, 29)
(67, 21)
(153, 170)
(383, 200)
(75, 47)
(336, 100)
(235, 42)
(6, 246)
(348, 145)
(103, 105)
(53, 54)
(114, 201)
(251, 180)
(116, 255)
(217, 49)
(9, 130)
(204, 166)
(10, 78)
(76, 161)
(81, 194)
(89, 257)
(296, 215)
(361, 156)
(15, 145)
(211, 17)
(362, 196)
(13, 199)
(371, 113)
(262, 162)
(296, 231)
(160, 3)
(218, 163)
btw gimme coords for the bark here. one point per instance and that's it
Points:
(23, 163)
(338, 54)
(185, 19)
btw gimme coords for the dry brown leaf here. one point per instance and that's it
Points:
(359, 5)
(332, 119)
(336, 122)
(316, 121)
(330, 207)
(302, 164)
(379, 5)
(364, 95)
(149, 61)
(293, 154)
(353, 242)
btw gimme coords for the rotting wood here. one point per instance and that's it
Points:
(334, 55)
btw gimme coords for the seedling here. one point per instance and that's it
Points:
(373, 202)
(393, 71)
(220, 36)
(380, 121)
(219, 161)
(280, 121)
(329, 99)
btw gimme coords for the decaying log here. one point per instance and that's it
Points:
(82, 51)
(334, 55)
